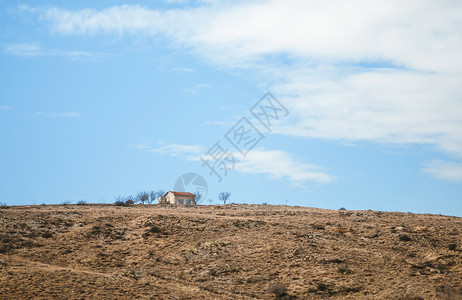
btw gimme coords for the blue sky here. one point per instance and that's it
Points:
(107, 99)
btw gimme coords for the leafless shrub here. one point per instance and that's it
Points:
(82, 202)
(160, 193)
(152, 197)
(47, 235)
(404, 237)
(130, 199)
(155, 229)
(66, 202)
(322, 287)
(224, 196)
(448, 293)
(411, 297)
(277, 289)
(133, 274)
(142, 197)
(345, 271)
(120, 201)
(198, 197)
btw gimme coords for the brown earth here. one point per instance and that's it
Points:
(226, 252)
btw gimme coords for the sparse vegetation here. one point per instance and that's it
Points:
(226, 252)
(343, 270)
(155, 195)
(121, 201)
(133, 274)
(447, 292)
(154, 229)
(277, 290)
(66, 202)
(142, 197)
(404, 237)
(47, 235)
(411, 297)
(3, 205)
(82, 202)
(130, 200)
(152, 197)
(198, 198)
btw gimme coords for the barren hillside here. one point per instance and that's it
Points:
(226, 252)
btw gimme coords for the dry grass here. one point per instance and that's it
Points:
(226, 252)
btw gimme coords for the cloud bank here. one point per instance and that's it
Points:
(386, 72)
(276, 164)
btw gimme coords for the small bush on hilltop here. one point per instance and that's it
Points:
(122, 201)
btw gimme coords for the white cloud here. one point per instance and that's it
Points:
(59, 115)
(279, 164)
(386, 106)
(445, 170)
(422, 35)
(116, 19)
(382, 71)
(5, 107)
(197, 88)
(189, 152)
(33, 49)
(177, 1)
(276, 164)
(218, 123)
(183, 69)
(23, 50)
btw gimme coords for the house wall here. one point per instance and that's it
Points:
(172, 199)
(185, 198)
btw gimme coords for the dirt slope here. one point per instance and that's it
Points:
(226, 252)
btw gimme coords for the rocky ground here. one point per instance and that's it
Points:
(226, 252)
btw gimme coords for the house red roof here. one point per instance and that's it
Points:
(180, 193)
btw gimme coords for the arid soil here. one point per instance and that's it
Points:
(226, 252)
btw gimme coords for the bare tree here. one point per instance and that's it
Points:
(224, 196)
(142, 197)
(160, 193)
(198, 197)
(154, 195)
(130, 200)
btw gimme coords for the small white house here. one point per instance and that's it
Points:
(179, 198)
